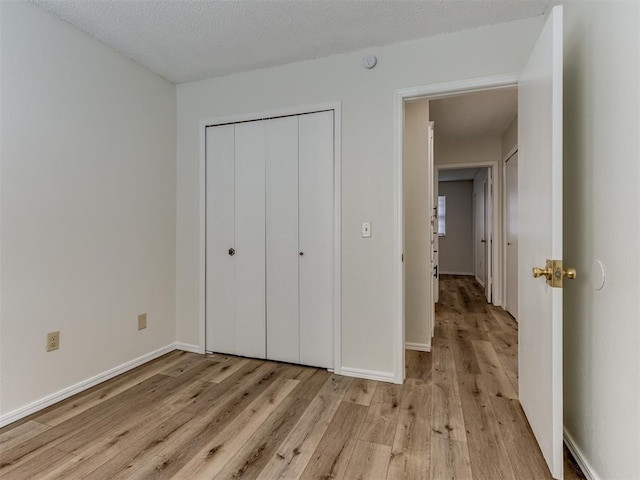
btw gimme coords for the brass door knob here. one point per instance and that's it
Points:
(554, 273)
(542, 272)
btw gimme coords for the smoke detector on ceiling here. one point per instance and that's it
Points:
(369, 61)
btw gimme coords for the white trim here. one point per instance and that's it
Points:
(457, 273)
(44, 402)
(369, 374)
(337, 198)
(586, 468)
(188, 347)
(510, 154)
(399, 96)
(419, 347)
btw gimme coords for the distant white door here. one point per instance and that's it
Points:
(540, 238)
(511, 226)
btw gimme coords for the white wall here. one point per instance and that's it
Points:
(602, 201)
(367, 160)
(455, 249)
(417, 241)
(87, 206)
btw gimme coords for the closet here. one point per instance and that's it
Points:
(269, 238)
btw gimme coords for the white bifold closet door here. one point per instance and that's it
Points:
(235, 270)
(270, 198)
(316, 143)
(283, 306)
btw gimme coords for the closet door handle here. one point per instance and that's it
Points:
(232, 251)
(301, 253)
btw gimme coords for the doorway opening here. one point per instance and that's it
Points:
(454, 144)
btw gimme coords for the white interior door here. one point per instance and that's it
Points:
(250, 322)
(540, 238)
(511, 225)
(220, 264)
(316, 165)
(283, 332)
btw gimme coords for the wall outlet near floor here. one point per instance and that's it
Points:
(142, 321)
(53, 341)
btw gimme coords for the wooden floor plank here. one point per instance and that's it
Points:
(361, 391)
(369, 461)
(418, 364)
(521, 449)
(450, 460)
(382, 418)
(331, 458)
(485, 444)
(258, 450)
(21, 434)
(411, 445)
(297, 449)
(220, 449)
(494, 376)
(77, 404)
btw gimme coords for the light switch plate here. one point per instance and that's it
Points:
(366, 229)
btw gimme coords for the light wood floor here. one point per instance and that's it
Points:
(187, 416)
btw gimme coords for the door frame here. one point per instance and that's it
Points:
(433, 91)
(494, 223)
(337, 222)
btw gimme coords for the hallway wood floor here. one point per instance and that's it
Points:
(188, 416)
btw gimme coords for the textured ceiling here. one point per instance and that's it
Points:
(185, 40)
(474, 115)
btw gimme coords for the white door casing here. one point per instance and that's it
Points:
(540, 238)
(435, 259)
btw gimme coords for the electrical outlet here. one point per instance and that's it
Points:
(53, 341)
(142, 321)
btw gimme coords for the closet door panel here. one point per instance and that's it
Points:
(220, 295)
(282, 240)
(316, 238)
(250, 335)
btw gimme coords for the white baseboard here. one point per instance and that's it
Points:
(368, 374)
(586, 468)
(38, 405)
(420, 347)
(456, 273)
(189, 347)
